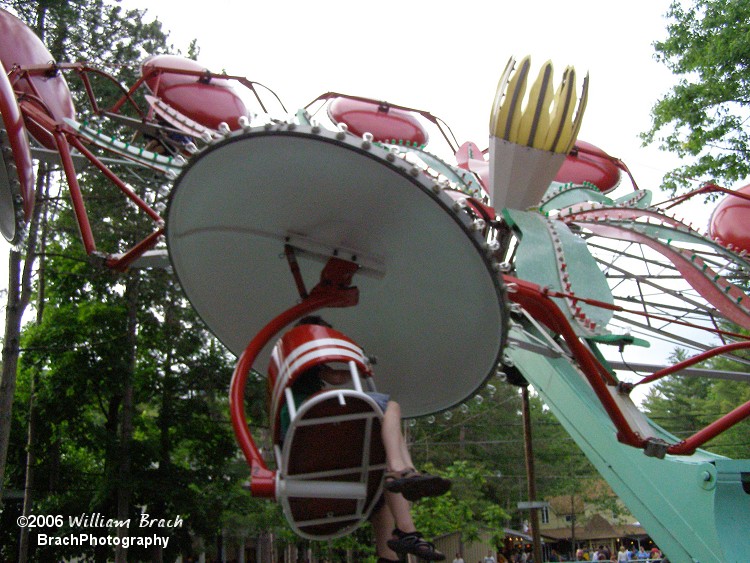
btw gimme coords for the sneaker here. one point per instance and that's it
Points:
(404, 543)
(415, 485)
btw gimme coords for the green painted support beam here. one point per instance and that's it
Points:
(550, 255)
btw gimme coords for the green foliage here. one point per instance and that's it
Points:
(193, 50)
(97, 32)
(703, 118)
(182, 444)
(489, 435)
(465, 507)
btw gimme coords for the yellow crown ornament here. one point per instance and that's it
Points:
(531, 135)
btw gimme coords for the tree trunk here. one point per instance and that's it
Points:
(125, 485)
(13, 315)
(28, 496)
(28, 492)
(573, 512)
(166, 415)
(19, 295)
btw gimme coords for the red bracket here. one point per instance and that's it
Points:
(333, 290)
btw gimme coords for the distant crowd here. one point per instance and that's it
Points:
(602, 553)
(625, 553)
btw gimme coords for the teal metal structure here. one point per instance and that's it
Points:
(696, 507)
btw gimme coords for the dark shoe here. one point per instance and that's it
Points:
(384, 560)
(415, 485)
(413, 543)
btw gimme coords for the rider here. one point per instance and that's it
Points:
(395, 533)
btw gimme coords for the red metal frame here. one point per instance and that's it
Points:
(64, 137)
(538, 303)
(689, 445)
(33, 107)
(82, 71)
(12, 120)
(703, 356)
(705, 189)
(157, 72)
(130, 194)
(334, 290)
(534, 300)
(75, 193)
(604, 305)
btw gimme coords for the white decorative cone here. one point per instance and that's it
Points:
(520, 175)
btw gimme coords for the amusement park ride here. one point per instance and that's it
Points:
(516, 260)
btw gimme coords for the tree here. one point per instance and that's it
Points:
(466, 507)
(98, 32)
(71, 30)
(131, 409)
(489, 433)
(180, 445)
(704, 116)
(19, 296)
(725, 396)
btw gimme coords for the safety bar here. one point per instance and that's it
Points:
(299, 488)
